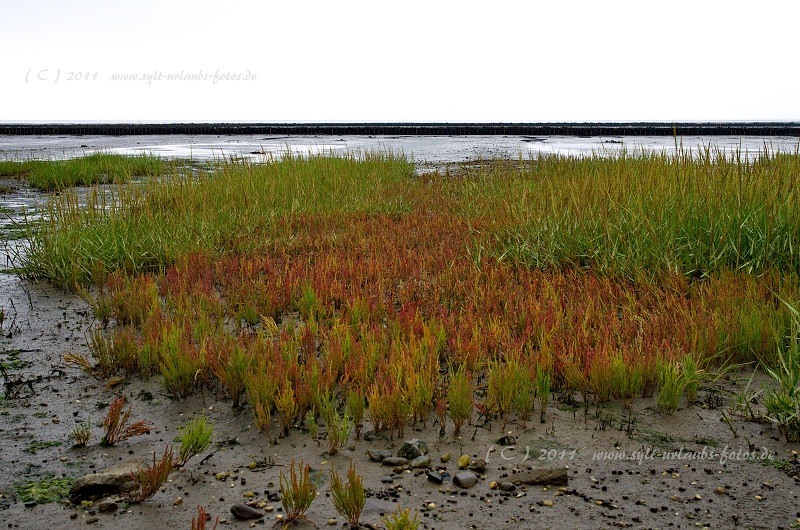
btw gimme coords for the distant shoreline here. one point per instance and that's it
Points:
(791, 129)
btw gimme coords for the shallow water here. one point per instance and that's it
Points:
(421, 149)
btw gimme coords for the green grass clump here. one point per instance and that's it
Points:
(97, 168)
(692, 212)
(12, 168)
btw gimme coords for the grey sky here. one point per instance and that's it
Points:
(399, 61)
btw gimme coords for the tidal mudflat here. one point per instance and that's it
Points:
(598, 340)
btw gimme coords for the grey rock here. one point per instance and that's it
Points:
(506, 486)
(477, 465)
(378, 456)
(110, 481)
(556, 476)
(394, 461)
(243, 512)
(107, 506)
(435, 477)
(387, 480)
(376, 435)
(465, 479)
(507, 440)
(411, 449)
(421, 461)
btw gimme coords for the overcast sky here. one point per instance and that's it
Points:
(399, 61)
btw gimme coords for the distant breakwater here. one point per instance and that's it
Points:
(410, 129)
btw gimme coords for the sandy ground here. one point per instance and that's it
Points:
(650, 487)
(709, 482)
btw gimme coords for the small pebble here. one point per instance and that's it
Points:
(547, 502)
(331, 521)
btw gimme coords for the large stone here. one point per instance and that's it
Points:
(411, 449)
(111, 481)
(465, 479)
(244, 512)
(378, 456)
(421, 461)
(107, 506)
(435, 477)
(394, 461)
(478, 465)
(555, 476)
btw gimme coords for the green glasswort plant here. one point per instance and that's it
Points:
(339, 427)
(297, 494)
(286, 404)
(400, 520)
(502, 387)
(349, 498)
(671, 385)
(459, 395)
(81, 433)
(542, 392)
(195, 438)
(525, 395)
(692, 377)
(356, 407)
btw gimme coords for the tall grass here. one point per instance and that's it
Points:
(234, 206)
(692, 213)
(97, 168)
